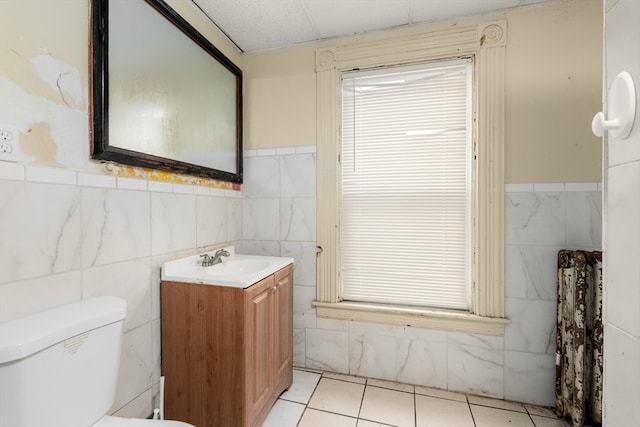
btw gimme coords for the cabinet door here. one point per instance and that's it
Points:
(283, 328)
(259, 346)
(182, 331)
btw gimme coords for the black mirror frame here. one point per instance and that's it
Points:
(99, 104)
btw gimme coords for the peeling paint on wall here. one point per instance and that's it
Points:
(158, 175)
(51, 133)
(38, 143)
(61, 77)
(54, 134)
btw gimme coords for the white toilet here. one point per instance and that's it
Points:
(59, 368)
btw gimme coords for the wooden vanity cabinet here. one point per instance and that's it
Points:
(227, 353)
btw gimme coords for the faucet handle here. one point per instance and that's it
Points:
(206, 259)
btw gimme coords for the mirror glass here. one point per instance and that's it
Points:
(171, 100)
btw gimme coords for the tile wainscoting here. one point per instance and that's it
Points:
(540, 219)
(70, 235)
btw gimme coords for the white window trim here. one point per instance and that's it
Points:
(487, 42)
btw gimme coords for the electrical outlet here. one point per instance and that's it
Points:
(8, 143)
(5, 135)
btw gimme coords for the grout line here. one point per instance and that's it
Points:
(377, 422)
(553, 416)
(290, 401)
(364, 391)
(313, 371)
(473, 419)
(444, 398)
(391, 389)
(499, 408)
(415, 408)
(306, 405)
(337, 413)
(344, 380)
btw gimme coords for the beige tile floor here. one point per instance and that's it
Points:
(334, 400)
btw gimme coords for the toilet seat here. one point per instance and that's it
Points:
(108, 421)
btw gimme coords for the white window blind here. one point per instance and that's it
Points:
(405, 197)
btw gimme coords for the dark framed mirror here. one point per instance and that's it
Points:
(163, 96)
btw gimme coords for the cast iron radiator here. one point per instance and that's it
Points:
(579, 337)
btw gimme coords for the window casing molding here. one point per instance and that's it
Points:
(487, 42)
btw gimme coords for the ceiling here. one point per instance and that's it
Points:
(265, 24)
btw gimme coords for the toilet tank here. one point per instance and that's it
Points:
(60, 367)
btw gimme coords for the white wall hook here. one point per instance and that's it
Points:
(622, 109)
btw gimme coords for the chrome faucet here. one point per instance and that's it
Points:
(208, 260)
(217, 258)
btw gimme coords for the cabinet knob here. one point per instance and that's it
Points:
(277, 286)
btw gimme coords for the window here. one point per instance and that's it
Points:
(406, 141)
(480, 309)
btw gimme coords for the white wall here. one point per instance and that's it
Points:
(553, 75)
(622, 229)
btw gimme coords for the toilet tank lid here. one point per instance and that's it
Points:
(22, 337)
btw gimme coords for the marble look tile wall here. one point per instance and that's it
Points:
(540, 219)
(622, 229)
(67, 236)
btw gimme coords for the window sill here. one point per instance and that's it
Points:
(412, 316)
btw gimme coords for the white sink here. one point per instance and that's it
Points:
(236, 266)
(236, 270)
